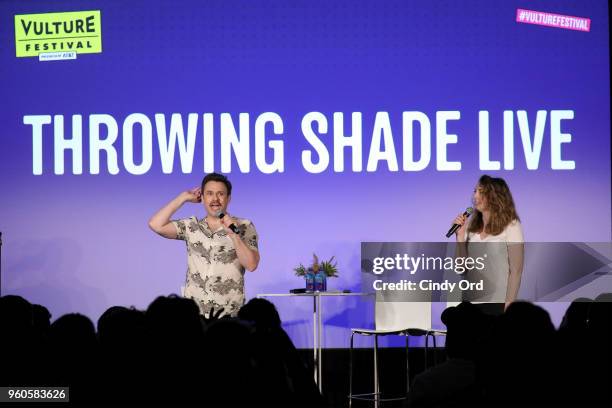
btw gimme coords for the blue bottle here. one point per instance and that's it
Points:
(310, 281)
(320, 281)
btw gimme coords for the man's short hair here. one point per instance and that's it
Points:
(217, 177)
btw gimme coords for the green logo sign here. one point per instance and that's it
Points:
(77, 31)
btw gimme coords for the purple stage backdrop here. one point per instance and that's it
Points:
(425, 96)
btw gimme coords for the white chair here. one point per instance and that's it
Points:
(394, 318)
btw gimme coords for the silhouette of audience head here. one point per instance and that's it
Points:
(174, 318)
(119, 326)
(465, 324)
(15, 314)
(600, 315)
(73, 331)
(262, 313)
(576, 315)
(41, 318)
(523, 322)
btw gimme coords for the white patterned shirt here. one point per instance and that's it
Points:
(215, 277)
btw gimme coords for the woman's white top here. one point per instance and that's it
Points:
(494, 248)
(512, 233)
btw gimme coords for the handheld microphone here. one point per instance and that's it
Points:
(455, 227)
(232, 226)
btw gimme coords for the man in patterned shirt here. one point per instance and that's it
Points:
(217, 256)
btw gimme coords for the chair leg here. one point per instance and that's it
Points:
(426, 365)
(407, 370)
(435, 350)
(351, 371)
(376, 383)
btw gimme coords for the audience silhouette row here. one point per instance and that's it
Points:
(518, 359)
(171, 354)
(166, 354)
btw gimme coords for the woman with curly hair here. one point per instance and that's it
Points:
(496, 224)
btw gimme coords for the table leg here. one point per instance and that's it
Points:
(320, 344)
(315, 359)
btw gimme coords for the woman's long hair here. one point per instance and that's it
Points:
(500, 204)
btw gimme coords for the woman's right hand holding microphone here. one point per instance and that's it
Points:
(460, 233)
